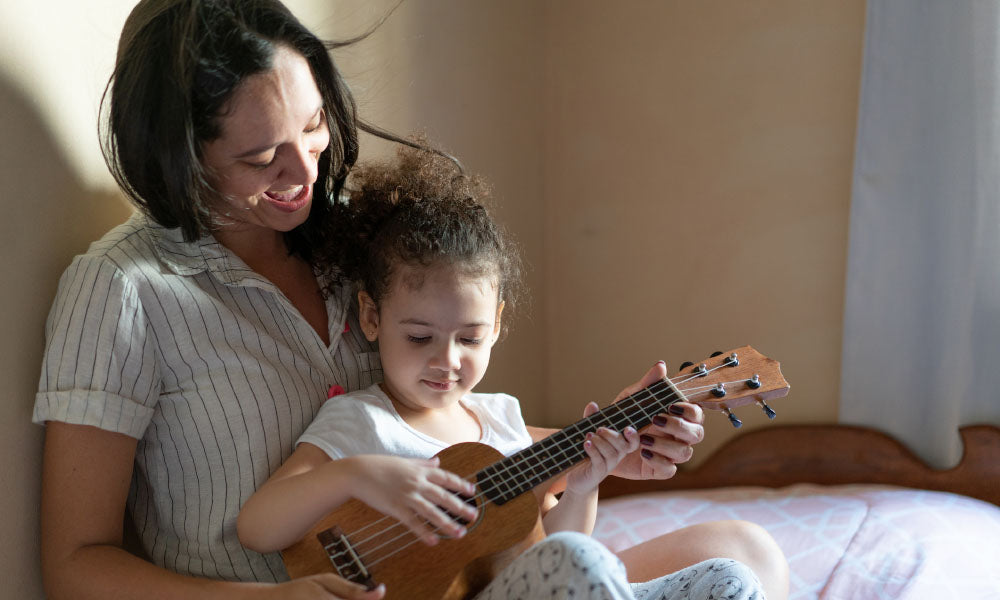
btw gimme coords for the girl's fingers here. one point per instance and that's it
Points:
(449, 501)
(592, 447)
(439, 521)
(626, 441)
(618, 444)
(631, 439)
(451, 481)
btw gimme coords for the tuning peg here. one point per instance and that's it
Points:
(732, 418)
(719, 391)
(686, 364)
(754, 382)
(716, 353)
(767, 409)
(733, 360)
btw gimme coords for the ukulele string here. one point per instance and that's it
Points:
(633, 401)
(499, 476)
(636, 404)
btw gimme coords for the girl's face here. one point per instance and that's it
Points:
(273, 131)
(434, 333)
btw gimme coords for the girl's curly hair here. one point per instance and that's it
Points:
(419, 210)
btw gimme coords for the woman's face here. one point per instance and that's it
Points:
(272, 132)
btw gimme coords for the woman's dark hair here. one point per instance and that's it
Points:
(419, 210)
(178, 64)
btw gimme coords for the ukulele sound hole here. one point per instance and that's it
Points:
(474, 503)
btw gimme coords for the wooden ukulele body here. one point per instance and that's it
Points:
(453, 568)
(508, 523)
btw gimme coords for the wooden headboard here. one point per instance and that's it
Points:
(832, 455)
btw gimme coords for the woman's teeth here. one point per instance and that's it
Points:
(285, 195)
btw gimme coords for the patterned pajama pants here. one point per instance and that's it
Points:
(569, 565)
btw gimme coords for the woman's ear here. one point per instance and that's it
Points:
(496, 323)
(368, 316)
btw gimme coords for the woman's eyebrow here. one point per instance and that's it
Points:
(256, 150)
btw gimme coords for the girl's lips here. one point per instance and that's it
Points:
(441, 386)
(291, 200)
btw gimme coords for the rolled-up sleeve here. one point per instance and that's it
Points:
(100, 366)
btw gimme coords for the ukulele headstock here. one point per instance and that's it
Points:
(727, 380)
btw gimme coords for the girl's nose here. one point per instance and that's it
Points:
(447, 357)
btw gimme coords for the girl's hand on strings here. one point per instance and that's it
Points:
(668, 441)
(416, 493)
(605, 448)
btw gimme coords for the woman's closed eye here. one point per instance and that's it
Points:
(419, 339)
(320, 120)
(262, 165)
(472, 341)
(265, 162)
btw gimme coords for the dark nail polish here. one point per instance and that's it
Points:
(659, 420)
(675, 410)
(646, 453)
(646, 440)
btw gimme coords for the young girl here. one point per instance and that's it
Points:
(436, 275)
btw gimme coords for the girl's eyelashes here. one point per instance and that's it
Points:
(423, 339)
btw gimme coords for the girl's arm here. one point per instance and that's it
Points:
(309, 485)
(85, 480)
(576, 509)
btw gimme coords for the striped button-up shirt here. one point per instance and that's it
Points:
(205, 362)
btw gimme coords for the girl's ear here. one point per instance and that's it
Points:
(368, 316)
(496, 323)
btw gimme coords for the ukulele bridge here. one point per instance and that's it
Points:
(344, 559)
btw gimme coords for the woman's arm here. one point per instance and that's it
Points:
(309, 485)
(85, 480)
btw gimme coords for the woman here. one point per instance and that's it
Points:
(188, 348)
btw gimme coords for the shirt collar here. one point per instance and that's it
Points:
(205, 254)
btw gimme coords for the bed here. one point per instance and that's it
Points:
(856, 513)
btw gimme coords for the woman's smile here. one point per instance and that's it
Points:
(290, 200)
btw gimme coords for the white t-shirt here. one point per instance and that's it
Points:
(365, 422)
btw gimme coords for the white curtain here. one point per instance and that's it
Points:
(921, 353)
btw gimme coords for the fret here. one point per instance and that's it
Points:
(522, 471)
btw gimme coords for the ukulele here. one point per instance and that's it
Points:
(367, 547)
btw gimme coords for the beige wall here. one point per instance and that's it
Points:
(697, 179)
(677, 172)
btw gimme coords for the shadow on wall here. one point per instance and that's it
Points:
(48, 217)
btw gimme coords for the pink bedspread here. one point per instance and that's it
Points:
(844, 542)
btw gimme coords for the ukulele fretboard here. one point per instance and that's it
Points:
(508, 478)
